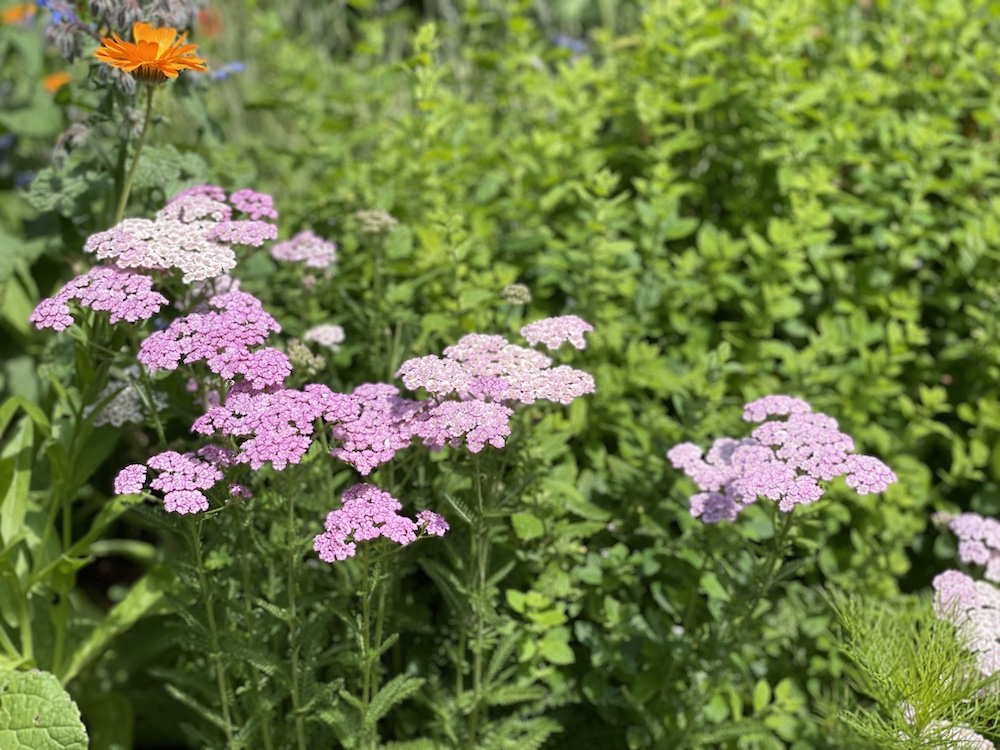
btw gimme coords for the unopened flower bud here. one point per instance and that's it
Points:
(516, 294)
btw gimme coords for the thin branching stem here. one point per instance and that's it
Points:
(293, 623)
(194, 530)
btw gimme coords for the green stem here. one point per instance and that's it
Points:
(248, 624)
(367, 737)
(213, 630)
(293, 626)
(127, 187)
(480, 555)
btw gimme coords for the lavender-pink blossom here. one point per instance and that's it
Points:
(274, 427)
(783, 460)
(978, 542)
(384, 424)
(433, 524)
(485, 366)
(479, 422)
(367, 513)
(974, 608)
(125, 295)
(185, 502)
(194, 233)
(307, 248)
(223, 339)
(330, 336)
(253, 204)
(130, 480)
(554, 331)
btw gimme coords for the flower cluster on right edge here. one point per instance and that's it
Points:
(783, 460)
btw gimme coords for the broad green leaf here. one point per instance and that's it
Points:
(37, 714)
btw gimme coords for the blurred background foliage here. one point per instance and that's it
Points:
(744, 198)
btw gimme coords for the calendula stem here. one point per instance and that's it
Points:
(127, 187)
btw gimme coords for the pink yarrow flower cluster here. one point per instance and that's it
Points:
(307, 248)
(225, 339)
(183, 478)
(194, 233)
(482, 366)
(368, 513)
(328, 335)
(974, 608)
(978, 542)
(277, 426)
(783, 460)
(125, 295)
(554, 331)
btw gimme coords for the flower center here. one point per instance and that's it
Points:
(149, 73)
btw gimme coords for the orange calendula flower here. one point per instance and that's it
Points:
(156, 55)
(55, 81)
(22, 13)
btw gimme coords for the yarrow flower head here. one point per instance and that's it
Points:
(375, 221)
(326, 335)
(194, 233)
(978, 542)
(126, 406)
(224, 338)
(306, 248)
(155, 56)
(126, 295)
(181, 477)
(783, 460)
(554, 331)
(432, 523)
(275, 427)
(489, 367)
(974, 608)
(367, 513)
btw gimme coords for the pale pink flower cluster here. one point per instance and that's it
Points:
(974, 607)
(978, 542)
(554, 331)
(367, 513)
(194, 233)
(783, 460)
(330, 336)
(126, 295)
(482, 366)
(224, 338)
(433, 524)
(275, 426)
(183, 478)
(307, 248)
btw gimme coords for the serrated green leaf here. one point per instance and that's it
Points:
(37, 714)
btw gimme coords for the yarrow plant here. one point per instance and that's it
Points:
(783, 460)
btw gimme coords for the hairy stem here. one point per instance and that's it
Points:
(213, 630)
(248, 624)
(293, 626)
(127, 187)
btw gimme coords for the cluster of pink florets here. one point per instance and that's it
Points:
(307, 248)
(125, 295)
(783, 460)
(368, 513)
(472, 390)
(194, 233)
(225, 338)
